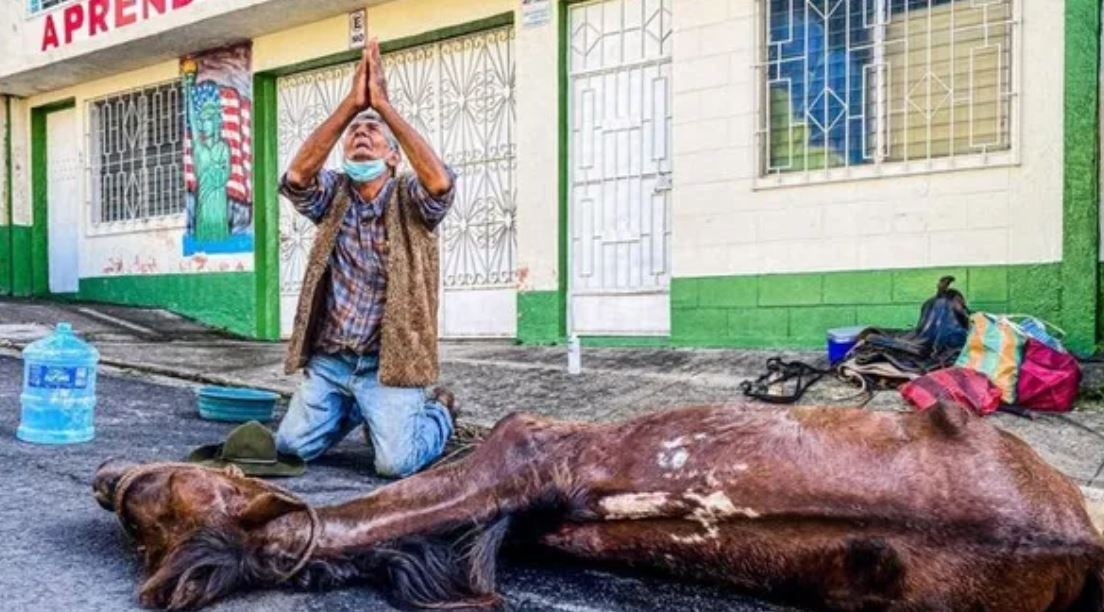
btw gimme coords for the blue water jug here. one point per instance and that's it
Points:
(59, 389)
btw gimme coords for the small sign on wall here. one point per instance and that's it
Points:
(535, 12)
(358, 29)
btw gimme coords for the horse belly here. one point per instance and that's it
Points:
(841, 567)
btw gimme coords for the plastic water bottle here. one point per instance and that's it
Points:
(59, 389)
(574, 355)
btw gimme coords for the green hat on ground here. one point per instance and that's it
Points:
(251, 447)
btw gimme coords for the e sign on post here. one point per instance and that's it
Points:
(535, 12)
(358, 29)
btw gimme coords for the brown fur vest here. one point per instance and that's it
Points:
(408, 333)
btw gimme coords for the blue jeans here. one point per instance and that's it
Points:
(341, 391)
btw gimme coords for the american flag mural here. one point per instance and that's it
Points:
(237, 121)
(218, 94)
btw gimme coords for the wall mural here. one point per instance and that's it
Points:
(218, 150)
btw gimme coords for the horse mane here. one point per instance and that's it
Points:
(450, 569)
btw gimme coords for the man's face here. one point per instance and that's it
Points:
(366, 140)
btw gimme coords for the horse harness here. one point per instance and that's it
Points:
(132, 476)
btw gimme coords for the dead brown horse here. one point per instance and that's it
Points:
(846, 509)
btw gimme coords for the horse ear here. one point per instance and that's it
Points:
(264, 508)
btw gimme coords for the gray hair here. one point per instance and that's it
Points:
(372, 116)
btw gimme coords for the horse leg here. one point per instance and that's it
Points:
(514, 468)
(841, 566)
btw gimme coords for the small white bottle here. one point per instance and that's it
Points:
(574, 355)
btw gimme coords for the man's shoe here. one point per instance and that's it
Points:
(447, 399)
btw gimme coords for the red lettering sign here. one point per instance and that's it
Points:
(158, 5)
(74, 19)
(62, 27)
(49, 35)
(122, 16)
(97, 16)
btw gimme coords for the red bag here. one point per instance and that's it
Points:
(969, 388)
(1049, 379)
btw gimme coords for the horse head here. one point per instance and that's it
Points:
(202, 531)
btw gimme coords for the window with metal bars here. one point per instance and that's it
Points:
(37, 6)
(137, 149)
(866, 82)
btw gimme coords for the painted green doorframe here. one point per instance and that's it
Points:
(40, 259)
(1080, 197)
(266, 208)
(8, 203)
(562, 260)
(266, 203)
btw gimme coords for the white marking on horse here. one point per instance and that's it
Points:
(712, 509)
(694, 538)
(711, 479)
(675, 443)
(674, 456)
(633, 505)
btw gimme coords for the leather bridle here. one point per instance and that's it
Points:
(132, 475)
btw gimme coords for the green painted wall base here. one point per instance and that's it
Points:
(15, 261)
(540, 317)
(225, 300)
(795, 310)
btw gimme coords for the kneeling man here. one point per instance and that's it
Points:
(366, 325)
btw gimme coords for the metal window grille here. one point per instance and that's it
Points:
(137, 150)
(37, 6)
(849, 83)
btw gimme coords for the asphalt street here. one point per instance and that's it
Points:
(60, 551)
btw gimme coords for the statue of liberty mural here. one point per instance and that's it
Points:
(210, 159)
(218, 159)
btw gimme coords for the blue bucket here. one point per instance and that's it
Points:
(236, 405)
(841, 340)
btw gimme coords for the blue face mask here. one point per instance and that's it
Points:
(364, 171)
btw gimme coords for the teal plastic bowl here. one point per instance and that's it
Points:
(236, 405)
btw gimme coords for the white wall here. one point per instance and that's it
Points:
(12, 52)
(3, 164)
(21, 163)
(538, 155)
(725, 225)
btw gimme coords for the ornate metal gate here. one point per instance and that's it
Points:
(460, 94)
(620, 165)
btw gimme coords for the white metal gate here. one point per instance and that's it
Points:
(459, 93)
(62, 201)
(620, 166)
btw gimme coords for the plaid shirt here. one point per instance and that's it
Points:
(358, 265)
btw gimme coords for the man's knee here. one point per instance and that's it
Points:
(390, 465)
(289, 444)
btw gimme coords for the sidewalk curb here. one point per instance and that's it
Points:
(1094, 494)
